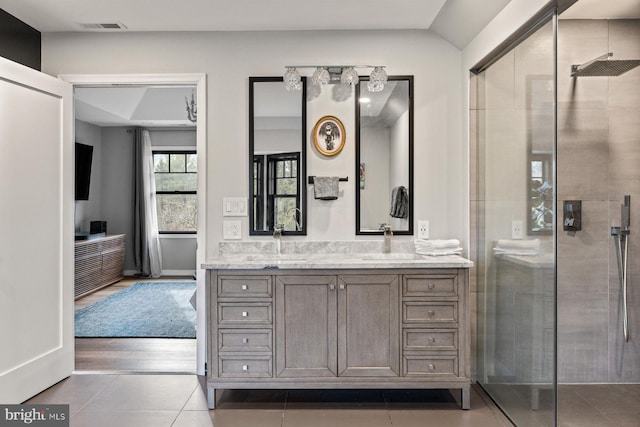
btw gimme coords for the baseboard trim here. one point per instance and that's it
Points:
(189, 273)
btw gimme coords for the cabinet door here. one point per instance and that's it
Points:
(306, 326)
(368, 326)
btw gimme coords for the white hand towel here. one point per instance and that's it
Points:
(457, 251)
(437, 244)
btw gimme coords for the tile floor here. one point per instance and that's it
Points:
(97, 400)
(581, 405)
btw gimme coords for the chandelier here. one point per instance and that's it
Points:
(192, 108)
(344, 74)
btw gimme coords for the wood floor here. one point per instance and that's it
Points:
(160, 355)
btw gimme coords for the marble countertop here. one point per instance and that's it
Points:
(335, 261)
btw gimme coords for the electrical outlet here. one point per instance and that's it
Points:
(517, 231)
(232, 229)
(423, 229)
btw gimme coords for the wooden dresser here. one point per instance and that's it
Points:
(98, 262)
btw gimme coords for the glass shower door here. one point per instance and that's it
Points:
(514, 141)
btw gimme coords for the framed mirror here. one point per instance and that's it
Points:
(384, 157)
(277, 157)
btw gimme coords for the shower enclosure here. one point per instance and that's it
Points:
(556, 200)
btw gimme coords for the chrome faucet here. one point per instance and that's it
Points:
(387, 237)
(294, 213)
(277, 235)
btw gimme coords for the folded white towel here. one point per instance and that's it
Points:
(456, 251)
(437, 244)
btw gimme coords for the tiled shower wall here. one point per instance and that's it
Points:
(598, 163)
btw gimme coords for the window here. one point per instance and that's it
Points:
(282, 192)
(176, 196)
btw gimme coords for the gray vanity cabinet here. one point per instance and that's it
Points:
(307, 329)
(337, 326)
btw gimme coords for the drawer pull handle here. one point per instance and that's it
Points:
(245, 287)
(245, 340)
(432, 367)
(332, 287)
(342, 286)
(431, 313)
(431, 286)
(245, 367)
(245, 313)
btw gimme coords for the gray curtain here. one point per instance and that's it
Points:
(146, 243)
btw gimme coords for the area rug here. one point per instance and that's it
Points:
(144, 310)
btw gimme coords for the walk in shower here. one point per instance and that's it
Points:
(555, 143)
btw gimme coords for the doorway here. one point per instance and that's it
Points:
(141, 350)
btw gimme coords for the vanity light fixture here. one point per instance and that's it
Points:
(345, 74)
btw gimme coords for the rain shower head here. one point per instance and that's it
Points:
(602, 66)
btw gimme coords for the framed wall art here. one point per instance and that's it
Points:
(329, 135)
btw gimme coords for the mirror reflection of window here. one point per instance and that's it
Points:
(540, 194)
(276, 191)
(384, 147)
(277, 152)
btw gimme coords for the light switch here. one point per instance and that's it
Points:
(234, 206)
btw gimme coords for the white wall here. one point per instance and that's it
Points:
(89, 210)
(375, 197)
(399, 174)
(229, 59)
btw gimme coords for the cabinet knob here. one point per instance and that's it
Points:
(341, 286)
(332, 287)
(245, 313)
(432, 340)
(431, 286)
(245, 287)
(245, 340)
(432, 367)
(245, 367)
(431, 313)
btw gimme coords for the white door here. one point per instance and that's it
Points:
(36, 231)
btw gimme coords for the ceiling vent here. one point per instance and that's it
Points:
(107, 26)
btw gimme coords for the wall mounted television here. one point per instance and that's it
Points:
(84, 157)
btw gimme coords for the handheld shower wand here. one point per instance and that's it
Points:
(621, 235)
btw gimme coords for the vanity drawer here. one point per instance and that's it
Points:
(430, 312)
(430, 339)
(247, 286)
(245, 366)
(424, 286)
(252, 340)
(251, 314)
(428, 365)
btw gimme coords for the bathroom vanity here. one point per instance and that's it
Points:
(356, 321)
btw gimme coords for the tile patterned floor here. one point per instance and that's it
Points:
(98, 400)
